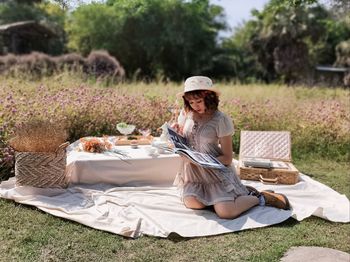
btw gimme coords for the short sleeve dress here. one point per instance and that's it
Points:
(207, 185)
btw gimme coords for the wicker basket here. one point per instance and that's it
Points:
(42, 169)
(271, 145)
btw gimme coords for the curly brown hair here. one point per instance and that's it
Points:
(211, 99)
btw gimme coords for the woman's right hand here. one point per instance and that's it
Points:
(176, 127)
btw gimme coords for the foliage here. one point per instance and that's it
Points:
(46, 13)
(155, 39)
(343, 53)
(286, 40)
(323, 51)
(238, 60)
(340, 9)
(55, 18)
(91, 27)
(13, 11)
(172, 38)
(281, 30)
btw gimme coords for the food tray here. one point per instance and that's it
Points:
(126, 140)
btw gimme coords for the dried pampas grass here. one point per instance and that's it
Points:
(37, 135)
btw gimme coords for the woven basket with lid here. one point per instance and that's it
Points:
(270, 145)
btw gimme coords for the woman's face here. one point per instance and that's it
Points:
(197, 104)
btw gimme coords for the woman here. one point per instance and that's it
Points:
(209, 130)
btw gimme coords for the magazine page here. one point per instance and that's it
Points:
(182, 147)
(178, 140)
(202, 159)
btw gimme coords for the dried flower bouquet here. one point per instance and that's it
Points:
(37, 135)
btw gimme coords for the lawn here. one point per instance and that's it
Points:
(317, 118)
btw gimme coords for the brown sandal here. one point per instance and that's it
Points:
(254, 192)
(276, 200)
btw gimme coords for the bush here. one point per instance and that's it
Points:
(101, 64)
(72, 62)
(98, 64)
(319, 127)
(34, 65)
(6, 62)
(342, 52)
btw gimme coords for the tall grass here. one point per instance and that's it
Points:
(318, 118)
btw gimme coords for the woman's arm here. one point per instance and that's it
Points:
(179, 124)
(177, 128)
(226, 147)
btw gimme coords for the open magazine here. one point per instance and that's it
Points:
(181, 147)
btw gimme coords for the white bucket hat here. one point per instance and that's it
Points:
(195, 83)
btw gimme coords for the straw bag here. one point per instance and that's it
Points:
(42, 169)
(272, 146)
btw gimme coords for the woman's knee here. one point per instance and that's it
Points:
(226, 211)
(193, 203)
(226, 214)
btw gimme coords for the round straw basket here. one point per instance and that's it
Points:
(42, 169)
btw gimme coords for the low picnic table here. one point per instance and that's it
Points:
(134, 167)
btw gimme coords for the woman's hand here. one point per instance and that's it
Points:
(176, 127)
(226, 148)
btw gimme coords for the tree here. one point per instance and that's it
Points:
(173, 38)
(235, 60)
(49, 14)
(280, 43)
(285, 41)
(12, 11)
(54, 17)
(290, 39)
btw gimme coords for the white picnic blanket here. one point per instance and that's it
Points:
(158, 211)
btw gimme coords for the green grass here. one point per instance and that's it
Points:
(28, 234)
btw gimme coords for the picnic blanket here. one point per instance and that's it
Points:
(158, 211)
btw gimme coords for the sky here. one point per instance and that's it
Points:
(238, 11)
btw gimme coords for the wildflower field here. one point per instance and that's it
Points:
(318, 119)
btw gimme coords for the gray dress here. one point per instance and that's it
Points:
(209, 186)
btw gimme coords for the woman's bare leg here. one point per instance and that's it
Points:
(232, 209)
(192, 202)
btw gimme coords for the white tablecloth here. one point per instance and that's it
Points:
(137, 169)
